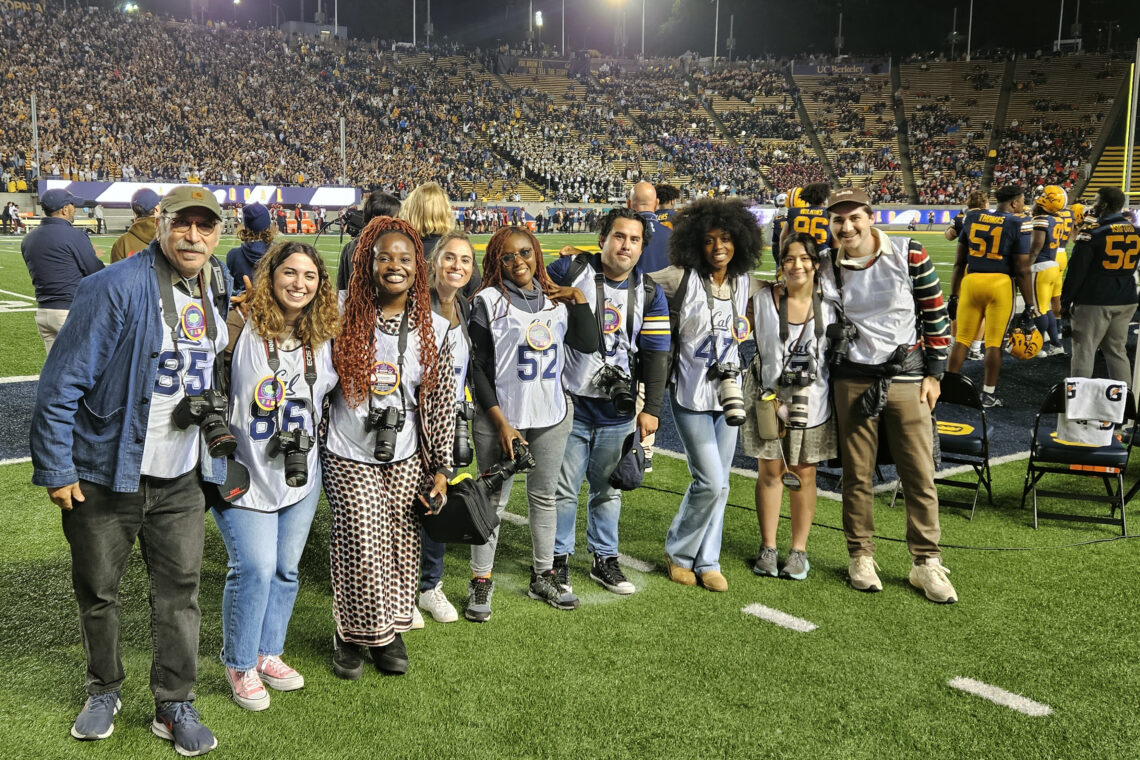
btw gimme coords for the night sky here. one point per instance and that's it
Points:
(781, 28)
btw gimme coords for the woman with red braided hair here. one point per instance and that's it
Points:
(520, 324)
(390, 431)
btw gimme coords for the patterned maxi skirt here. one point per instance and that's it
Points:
(374, 546)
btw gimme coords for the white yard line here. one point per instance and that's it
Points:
(1000, 696)
(639, 565)
(782, 619)
(19, 379)
(20, 460)
(18, 295)
(511, 517)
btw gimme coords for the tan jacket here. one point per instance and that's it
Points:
(138, 237)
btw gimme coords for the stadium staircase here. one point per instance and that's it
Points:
(1113, 132)
(1109, 171)
(809, 129)
(904, 141)
(999, 122)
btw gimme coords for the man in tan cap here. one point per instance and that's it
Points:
(886, 370)
(143, 339)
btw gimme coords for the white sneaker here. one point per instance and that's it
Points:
(417, 619)
(435, 602)
(931, 578)
(861, 570)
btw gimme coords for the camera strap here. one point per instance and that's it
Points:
(735, 313)
(274, 360)
(401, 347)
(163, 273)
(817, 314)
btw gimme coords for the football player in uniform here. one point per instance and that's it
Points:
(807, 213)
(1064, 216)
(989, 254)
(1049, 232)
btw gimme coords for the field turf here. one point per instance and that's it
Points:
(668, 672)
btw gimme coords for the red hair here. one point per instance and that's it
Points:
(354, 352)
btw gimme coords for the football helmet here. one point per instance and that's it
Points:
(1052, 199)
(1024, 340)
(794, 199)
(782, 200)
(1078, 210)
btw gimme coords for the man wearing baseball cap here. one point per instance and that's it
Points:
(143, 341)
(144, 205)
(256, 235)
(58, 256)
(886, 371)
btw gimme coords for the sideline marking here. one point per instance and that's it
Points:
(782, 619)
(1000, 696)
(639, 565)
(511, 517)
(19, 379)
(18, 295)
(19, 460)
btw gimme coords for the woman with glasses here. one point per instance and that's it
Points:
(281, 371)
(520, 323)
(389, 441)
(714, 246)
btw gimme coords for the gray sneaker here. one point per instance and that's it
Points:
(97, 718)
(479, 591)
(766, 563)
(796, 566)
(545, 588)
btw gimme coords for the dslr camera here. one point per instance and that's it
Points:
(295, 446)
(618, 388)
(520, 461)
(387, 422)
(725, 379)
(461, 451)
(839, 335)
(799, 376)
(207, 410)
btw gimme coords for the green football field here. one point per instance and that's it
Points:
(1048, 617)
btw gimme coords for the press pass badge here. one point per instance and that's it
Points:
(385, 378)
(611, 320)
(268, 394)
(539, 336)
(193, 321)
(741, 328)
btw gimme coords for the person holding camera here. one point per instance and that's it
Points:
(789, 426)
(280, 372)
(450, 265)
(714, 246)
(888, 357)
(389, 440)
(632, 319)
(521, 324)
(129, 419)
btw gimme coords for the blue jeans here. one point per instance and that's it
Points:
(261, 585)
(592, 451)
(693, 540)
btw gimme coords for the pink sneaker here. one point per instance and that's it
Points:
(247, 689)
(278, 675)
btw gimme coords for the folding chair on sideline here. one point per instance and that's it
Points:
(1049, 456)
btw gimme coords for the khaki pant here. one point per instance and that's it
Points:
(49, 322)
(906, 422)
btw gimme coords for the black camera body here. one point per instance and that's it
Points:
(801, 376)
(352, 222)
(461, 450)
(207, 410)
(618, 388)
(839, 335)
(520, 461)
(387, 422)
(295, 446)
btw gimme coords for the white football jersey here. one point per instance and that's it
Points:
(705, 341)
(796, 350)
(581, 368)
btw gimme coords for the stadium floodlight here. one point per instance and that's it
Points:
(130, 7)
(538, 19)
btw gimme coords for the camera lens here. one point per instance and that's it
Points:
(296, 469)
(220, 442)
(798, 410)
(461, 451)
(731, 399)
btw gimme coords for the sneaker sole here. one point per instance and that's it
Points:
(253, 705)
(450, 617)
(96, 737)
(795, 576)
(162, 732)
(868, 589)
(619, 589)
(348, 675)
(283, 684)
(476, 617)
(919, 586)
(764, 573)
(554, 602)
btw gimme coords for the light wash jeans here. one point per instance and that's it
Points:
(547, 445)
(693, 540)
(261, 585)
(592, 451)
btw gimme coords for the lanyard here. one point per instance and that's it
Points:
(310, 376)
(163, 272)
(599, 308)
(402, 345)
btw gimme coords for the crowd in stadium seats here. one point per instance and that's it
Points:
(1049, 156)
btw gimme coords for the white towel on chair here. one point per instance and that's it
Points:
(1088, 398)
(1083, 432)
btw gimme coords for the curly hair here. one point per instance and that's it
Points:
(320, 319)
(686, 244)
(354, 352)
(266, 236)
(492, 259)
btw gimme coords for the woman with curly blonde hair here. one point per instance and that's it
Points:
(280, 372)
(390, 432)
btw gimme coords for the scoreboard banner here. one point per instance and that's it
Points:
(118, 194)
(844, 68)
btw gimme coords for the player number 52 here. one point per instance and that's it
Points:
(1120, 251)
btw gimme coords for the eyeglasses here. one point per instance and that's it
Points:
(205, 226)
(523, 253)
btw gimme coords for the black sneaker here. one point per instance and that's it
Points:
(348, 659)
(392, 658)
(479, 591)
(648, 461)
(607, 572)
(562, 570)
(545, 588)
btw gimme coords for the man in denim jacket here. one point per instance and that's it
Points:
(142, 336)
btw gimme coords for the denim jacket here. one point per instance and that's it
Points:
(91, 410)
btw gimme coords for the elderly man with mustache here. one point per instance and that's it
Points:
(117, 441)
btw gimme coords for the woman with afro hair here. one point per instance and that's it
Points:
(284, 343)
(714, 246)
(520, 323)
(390, 431)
